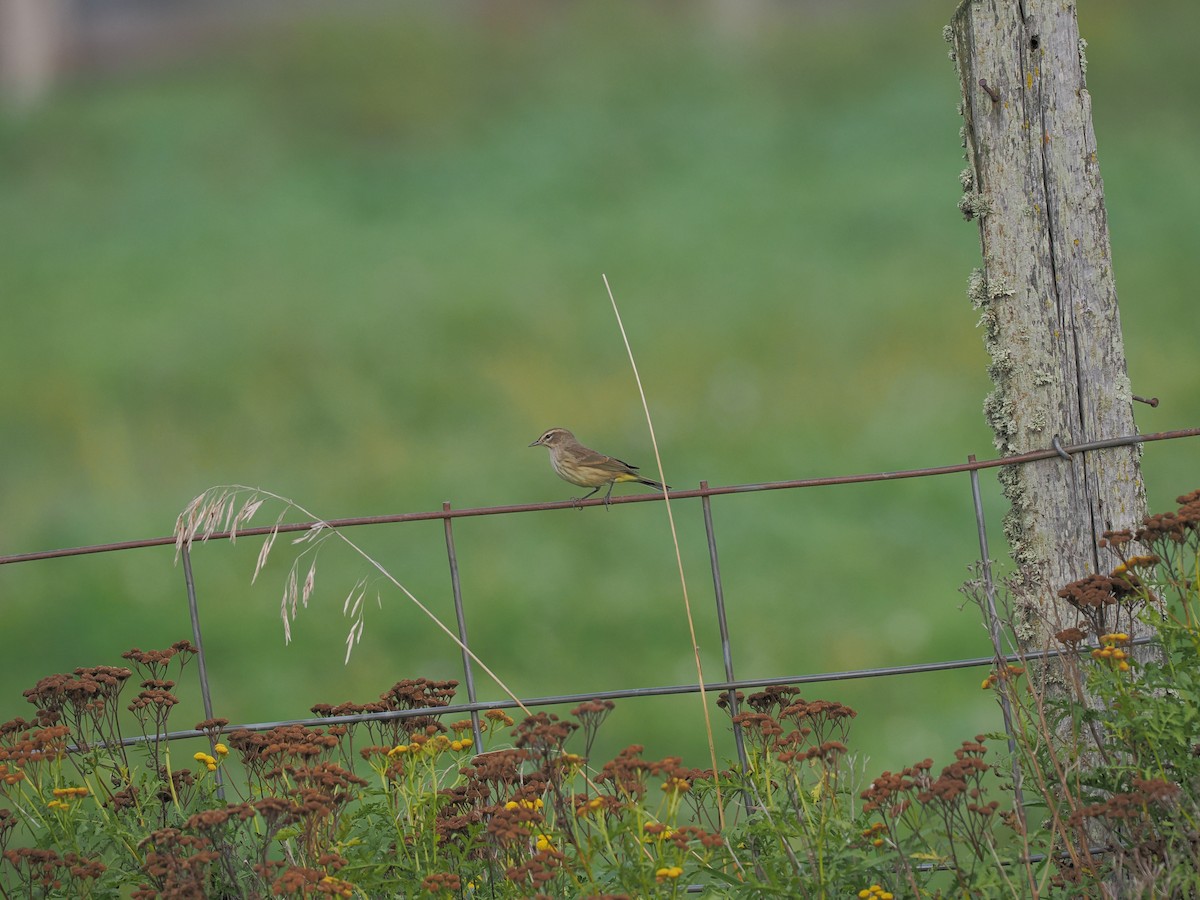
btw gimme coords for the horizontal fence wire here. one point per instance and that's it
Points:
(727, 687)
(714, 687)
(1060, 450)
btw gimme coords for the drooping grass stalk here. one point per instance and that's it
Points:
(202, 516)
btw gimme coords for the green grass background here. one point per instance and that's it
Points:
(358, 262)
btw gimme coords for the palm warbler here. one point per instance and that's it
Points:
(586, 468)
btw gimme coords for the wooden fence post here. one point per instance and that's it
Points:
(1046, 291)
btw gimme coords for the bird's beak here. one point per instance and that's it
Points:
(535, 443)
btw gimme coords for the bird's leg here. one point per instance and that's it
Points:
(578, 501)
(608, 496)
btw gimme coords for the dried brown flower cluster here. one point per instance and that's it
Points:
(439, 882)
(1096, 598)
(956, 801)
(1102, 600)
(409, 694)
(43, 871)
(85, 701)
(1174, 527)
(1132, 805)
(306, 793)
(155, 663)
(793, 729)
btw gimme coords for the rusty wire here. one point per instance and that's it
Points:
(668, 690)
(448, 513)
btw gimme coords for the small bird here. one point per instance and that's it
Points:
(586, 468)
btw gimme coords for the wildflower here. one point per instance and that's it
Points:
(71, 792)
(442, 881)
(667, 872)
(535, 803)
(657, 831)
(1118, 538)
(1009, 671)
(210, 762)
(676, 785)
(502, 718)
(335, 886)
(543, 842)
(220, 749)
(589, 806)
(1093, 595)
(873, 834)
(1135, 562)
(1072, 637)
(1111, 652)
(399, 749)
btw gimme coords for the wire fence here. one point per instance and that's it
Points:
(728, 686)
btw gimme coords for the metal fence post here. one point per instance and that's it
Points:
(989, 590)
(468, 672)
(723, 624)
(198, 640)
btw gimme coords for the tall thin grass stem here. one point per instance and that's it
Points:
(687, 606)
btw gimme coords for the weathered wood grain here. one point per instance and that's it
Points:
(1046, 291)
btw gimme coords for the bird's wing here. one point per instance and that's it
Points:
(592, 458)
(620, 462)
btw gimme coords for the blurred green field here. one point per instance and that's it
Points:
(358, 262)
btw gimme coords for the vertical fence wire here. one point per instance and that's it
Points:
(723, 624)
(989, 590)
(727, 655)
(468, 671)
(202, 662)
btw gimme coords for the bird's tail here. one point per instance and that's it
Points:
(654, 484)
